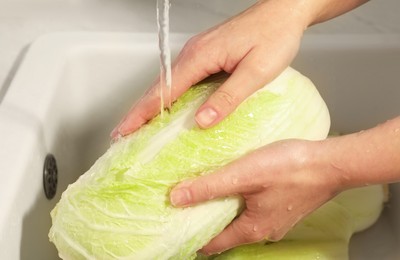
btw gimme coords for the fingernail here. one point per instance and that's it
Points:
(205, 253)
(126, 127)
(116, 138)
(120, 130)
(123, 129)
(114, 133)
(180, 197)
(206, 116)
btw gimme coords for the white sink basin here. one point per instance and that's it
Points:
(72, 89)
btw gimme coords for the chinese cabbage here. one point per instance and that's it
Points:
(120, 209)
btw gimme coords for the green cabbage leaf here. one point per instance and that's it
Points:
(120, 208)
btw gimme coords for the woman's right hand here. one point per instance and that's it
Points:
(254, 47)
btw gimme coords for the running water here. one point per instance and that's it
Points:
(165, 53)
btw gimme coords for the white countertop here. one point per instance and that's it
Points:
(22, 21)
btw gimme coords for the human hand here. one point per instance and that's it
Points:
(281, 183)
(253, 46)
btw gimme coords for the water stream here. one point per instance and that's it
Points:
(165, 53)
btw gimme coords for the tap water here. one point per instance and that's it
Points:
(165, 54)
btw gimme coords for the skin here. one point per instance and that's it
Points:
(297, 178)
(284, 181)
(252, 46)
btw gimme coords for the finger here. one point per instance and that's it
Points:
(251, 74)
(241, 231)
(239, 177)
(145, 109)
(190, 67)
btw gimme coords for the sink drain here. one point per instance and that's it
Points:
(50, 173)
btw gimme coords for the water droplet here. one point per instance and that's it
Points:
(290, 207)
(235, 181)
(259, 204)
(397, 130)
(255, 228)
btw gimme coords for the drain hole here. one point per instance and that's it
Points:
(50, 173)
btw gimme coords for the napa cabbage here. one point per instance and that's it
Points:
(120, 208)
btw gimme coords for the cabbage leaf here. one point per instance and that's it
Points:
(120, 208)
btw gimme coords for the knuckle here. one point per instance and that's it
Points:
(207, 191)
(261, 70)
(195, 44)
(248, 232)
(274, 235)
(226, 98)
(256, 236)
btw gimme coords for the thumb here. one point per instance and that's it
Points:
(232, 179)
(198, 190)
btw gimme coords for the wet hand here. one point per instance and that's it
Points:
(280, 184)
(252, 46)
